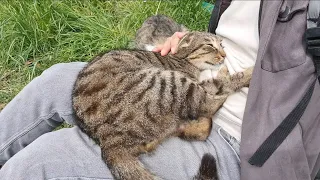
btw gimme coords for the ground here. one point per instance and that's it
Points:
(35, 34)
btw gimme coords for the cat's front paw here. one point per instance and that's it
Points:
(211, 86)
(237, 76)
(242, 79)
(223, 72)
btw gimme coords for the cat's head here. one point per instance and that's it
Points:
(202, 49)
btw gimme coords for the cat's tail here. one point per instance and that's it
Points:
(208, 168)
(125, 166)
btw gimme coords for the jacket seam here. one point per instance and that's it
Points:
(27, 130)
(268, 37)
(275, 71)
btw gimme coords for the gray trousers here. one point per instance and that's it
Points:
(29, 150)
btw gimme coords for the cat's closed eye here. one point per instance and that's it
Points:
(213, 48)
(210, 45)
(210, 48)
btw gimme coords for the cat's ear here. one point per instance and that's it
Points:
(184, 45)
(186, 40)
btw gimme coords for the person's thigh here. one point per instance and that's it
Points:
(70, 154)
(179, 159)
(39, 108)
(62, 154)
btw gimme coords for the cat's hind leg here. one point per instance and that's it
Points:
(165, 131)
(149, 146)
(195, 129)
(124, 165)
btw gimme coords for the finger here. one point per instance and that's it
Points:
(166, 47)
(174, 44)
(157, 48)
(175, 41)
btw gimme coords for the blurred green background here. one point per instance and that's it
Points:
(35, 34)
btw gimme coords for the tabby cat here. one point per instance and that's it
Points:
(131, 100)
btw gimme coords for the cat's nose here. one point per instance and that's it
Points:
(222, 53)
(222, 56)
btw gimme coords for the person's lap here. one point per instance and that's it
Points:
(39, 108)
(70, 154)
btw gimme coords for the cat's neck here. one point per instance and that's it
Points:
(209, 73)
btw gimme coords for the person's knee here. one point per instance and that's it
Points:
(56, 80)
(49, 77)
(56, 68)
(59, 73)
(52, 90)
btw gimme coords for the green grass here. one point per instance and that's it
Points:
(35, 34)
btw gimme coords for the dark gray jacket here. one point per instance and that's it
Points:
(283, 73)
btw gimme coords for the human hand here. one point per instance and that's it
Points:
(170, 45)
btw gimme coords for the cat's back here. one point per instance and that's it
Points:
(109, 66)
(114, 72)
(107, 72)
(116, 60)
(131, 79)
(105, 81)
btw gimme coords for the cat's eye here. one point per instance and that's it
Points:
(210, 48)
(211, 45)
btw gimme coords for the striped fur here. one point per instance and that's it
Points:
(131, 100)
